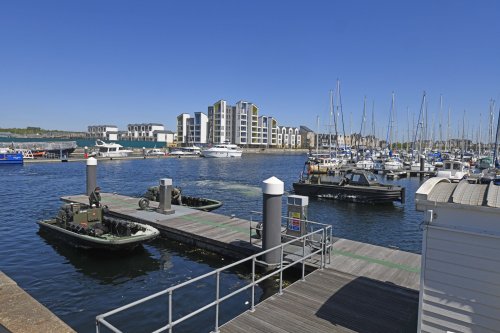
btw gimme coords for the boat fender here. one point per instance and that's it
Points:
(143, 203)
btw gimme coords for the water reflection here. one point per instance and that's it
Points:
(107, 267)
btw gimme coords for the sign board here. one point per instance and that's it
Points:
(294, 224)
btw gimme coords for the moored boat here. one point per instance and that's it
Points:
(204, 204)
(186, 151)
(91, 228)
(111, 149)
(222, 150)
(10, 157)
(356, 186)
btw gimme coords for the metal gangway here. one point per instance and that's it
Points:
(312, 248)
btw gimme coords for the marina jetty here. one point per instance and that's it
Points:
(349, 286)
(21, 313)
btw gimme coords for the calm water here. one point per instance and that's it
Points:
(77, 285)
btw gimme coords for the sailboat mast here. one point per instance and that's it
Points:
(495, 157)
(330, 125)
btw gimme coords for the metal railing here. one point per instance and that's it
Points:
(310, 226)
(324, 241)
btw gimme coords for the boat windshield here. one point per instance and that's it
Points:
(371, 177)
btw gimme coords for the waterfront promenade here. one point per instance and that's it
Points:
(19, 312)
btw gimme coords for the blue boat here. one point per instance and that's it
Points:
(11, 158)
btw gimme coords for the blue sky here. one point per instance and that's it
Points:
(70, 64)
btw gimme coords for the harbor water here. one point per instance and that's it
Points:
(77, 285)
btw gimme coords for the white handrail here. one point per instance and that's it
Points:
(325, 245)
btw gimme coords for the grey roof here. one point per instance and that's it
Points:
(440, 190)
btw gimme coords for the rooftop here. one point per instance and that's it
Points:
(440, 191)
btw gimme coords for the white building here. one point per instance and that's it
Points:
(220, 122)
(289, 137)
(460, 275)
(103, 132)
(192, 130)
(145, 132)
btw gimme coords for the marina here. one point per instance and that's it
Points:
(97, 280)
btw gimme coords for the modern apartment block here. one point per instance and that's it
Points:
(220, 117)
(104, 132)
(289, 137)
(240, 124)
(146, 132)
(192, 130)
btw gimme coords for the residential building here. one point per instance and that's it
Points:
(192, 130)
(289, 137)
(220, 122)
(146, 132)
(103, 132)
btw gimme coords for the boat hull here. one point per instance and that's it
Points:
(14, 158)
(221, 154)
(126, 243)
(382, 194)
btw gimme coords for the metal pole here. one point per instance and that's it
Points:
(91, 174)
(217, 303)
(252, 309)
(303, 260)
(281, 271)
(170, 311)
(273, 190)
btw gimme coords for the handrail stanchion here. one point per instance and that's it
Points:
(97, 326)
(170, 311)
(281, 270)
(323, 242)
(252, 309)
(303, 259)
(217, 291)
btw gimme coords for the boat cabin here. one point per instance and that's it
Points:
(363, 178)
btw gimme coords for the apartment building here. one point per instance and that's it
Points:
(192, 130)
(103, 132)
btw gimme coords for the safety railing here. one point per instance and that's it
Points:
(278, 269)
(256, 229)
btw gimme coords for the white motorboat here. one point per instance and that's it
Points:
(155, 152)
(366, 164)
(186, 151)
(415, 166)
(393, 164)
(222, 150)
(112, 149)
(454, 170)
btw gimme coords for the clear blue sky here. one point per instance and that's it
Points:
(68, 64)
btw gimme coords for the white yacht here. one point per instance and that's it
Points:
(112, 149)
(155, 152)
(366, 164)
(222, 150)
(393, 164)
(415, 166)
(454, 170)
(186, 151)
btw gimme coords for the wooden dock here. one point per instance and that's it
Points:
(364, 288)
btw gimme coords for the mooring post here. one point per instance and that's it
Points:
(422, 162)
(165, 205)
(144, 151)
(85, 152)
(91, 174)
(273, 190)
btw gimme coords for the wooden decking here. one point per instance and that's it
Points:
(364, 288)
(222, 234)
(331, 301)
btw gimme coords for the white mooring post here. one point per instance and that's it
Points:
(273, 190)
(91, 174)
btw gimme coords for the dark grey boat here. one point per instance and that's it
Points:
(90, 228)
(355, 186)
(204, 204)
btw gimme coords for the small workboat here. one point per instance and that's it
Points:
(204, 204)
(90, 228)
(355, 186)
